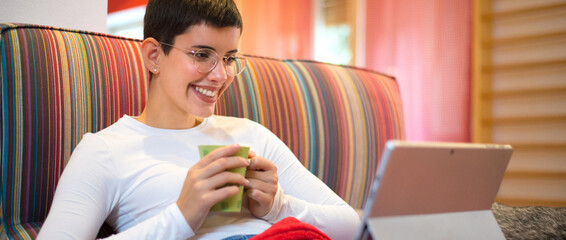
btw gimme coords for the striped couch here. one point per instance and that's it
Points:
(57, 84)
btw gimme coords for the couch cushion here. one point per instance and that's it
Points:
(56, 84)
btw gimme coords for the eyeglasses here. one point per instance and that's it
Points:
(205, 60)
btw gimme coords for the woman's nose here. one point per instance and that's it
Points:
(218, 73)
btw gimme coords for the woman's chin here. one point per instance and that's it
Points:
(205, 113)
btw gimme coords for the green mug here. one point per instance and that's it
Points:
(233, 203)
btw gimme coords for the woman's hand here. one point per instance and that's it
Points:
(203, 185)
(262, 187)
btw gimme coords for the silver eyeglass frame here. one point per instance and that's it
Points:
(192, 53)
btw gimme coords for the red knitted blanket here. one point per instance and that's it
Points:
(292, 229)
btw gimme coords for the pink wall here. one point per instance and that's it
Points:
(426, 45)
(277, 28)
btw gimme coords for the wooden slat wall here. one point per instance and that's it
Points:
(519, 94)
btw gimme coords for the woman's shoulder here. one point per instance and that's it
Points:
(105, 147)
(125, 126)
(103, 139)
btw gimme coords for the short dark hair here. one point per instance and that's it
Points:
(165, 19)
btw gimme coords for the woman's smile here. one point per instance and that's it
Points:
(206, 94)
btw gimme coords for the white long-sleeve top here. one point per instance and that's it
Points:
(130, 175)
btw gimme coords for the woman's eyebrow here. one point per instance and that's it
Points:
(233, 51)
(203, 46)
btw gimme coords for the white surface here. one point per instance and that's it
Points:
(459, 225)
(75, 14)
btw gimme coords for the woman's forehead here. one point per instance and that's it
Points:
(221, 39)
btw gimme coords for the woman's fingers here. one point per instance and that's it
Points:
(258, 182)
(261, 177)
(225, 178)
(224, 163)
(259, 196)
(220, 152)
(259, 163)
(220, 160)
(208, 182)
(262, 186)
(251, 154)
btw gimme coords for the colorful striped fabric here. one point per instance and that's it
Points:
(57, 84)
(336, 119)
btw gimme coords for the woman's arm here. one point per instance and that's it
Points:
(304, 196)
(87, 192)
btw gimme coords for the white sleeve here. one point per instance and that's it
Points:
(169, 224)
(87, 192)
(305, 197)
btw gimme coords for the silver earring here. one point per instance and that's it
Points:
(153, 68)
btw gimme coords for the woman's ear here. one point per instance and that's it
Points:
(150, 53)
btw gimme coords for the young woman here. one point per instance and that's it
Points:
(143, 175)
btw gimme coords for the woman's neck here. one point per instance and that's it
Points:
(159, 119)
